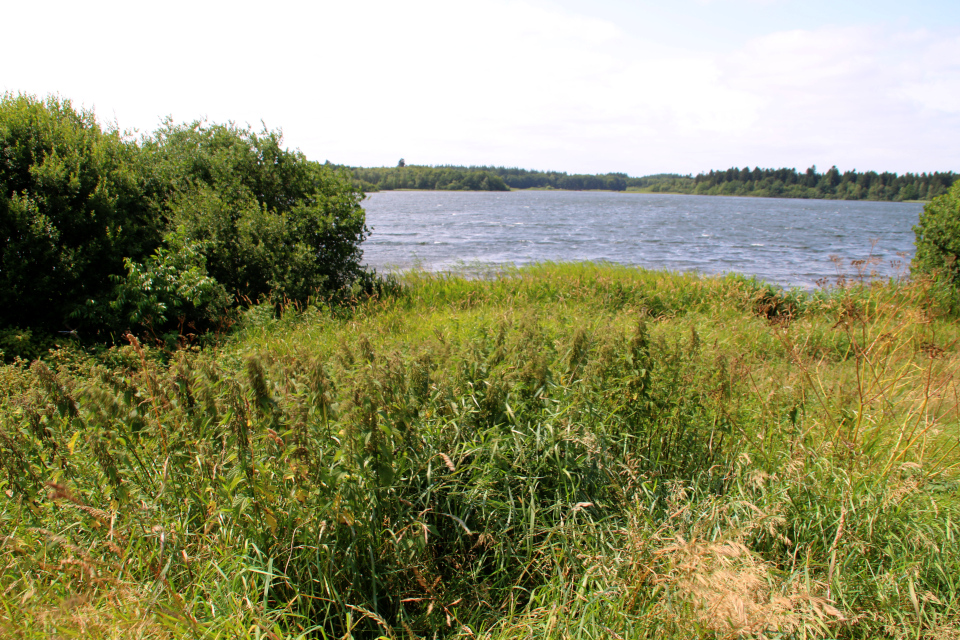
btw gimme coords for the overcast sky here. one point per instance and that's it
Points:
(608, 85)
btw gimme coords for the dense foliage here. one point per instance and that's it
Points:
(75, 201)
(266, 221)
(938, 237)
(565, 451)
(789, 183)
(100, 233)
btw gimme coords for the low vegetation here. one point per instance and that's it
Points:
(559, 451)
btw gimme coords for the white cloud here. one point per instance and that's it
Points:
(506, 82)
(858, 97)
(934, 82)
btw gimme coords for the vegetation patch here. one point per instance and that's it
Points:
(564, 451)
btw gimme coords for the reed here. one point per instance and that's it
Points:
(559, 451)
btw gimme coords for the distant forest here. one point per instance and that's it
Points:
(770, 183)
(789, 183)
(481, 179)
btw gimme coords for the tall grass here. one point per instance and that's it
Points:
(558, 451)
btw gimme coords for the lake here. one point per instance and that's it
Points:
(785, 241)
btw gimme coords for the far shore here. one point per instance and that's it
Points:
(644, 191)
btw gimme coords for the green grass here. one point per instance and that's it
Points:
(559, 451)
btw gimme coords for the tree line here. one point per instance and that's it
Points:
(771, 183)
(480, 178)
(427, 178)
(790, 183)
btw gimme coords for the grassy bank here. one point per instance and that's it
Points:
(565, 451)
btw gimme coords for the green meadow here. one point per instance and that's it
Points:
(557, 451)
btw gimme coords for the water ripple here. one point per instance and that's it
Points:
(789, 242)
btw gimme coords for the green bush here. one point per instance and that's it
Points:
(171, 285)
(75, 200)
(938, 237)
(101, 233)
(270, 222)
(21, 343)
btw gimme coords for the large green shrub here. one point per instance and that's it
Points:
(938, 237)
(75, 200)
(269, 221)
(101, 233)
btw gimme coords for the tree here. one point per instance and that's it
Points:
(938, 237)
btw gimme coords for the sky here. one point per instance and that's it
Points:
(637, 86)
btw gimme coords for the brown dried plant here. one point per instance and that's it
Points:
(726, 588)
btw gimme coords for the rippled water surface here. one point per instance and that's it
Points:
(789, 242)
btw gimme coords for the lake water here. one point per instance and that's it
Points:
(789, 242)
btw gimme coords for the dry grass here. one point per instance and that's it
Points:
(726, 588)
(86, 616)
